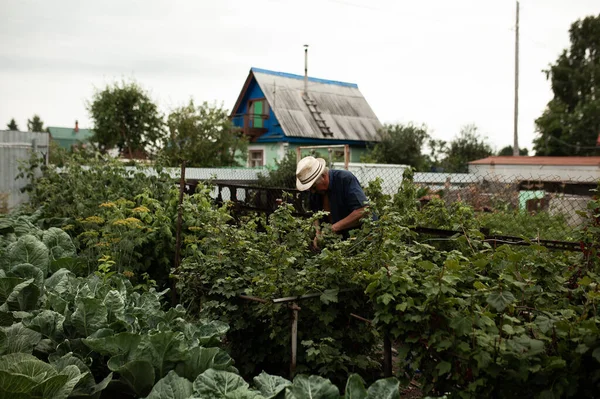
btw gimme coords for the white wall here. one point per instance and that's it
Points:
(542, 172)
(14, 148)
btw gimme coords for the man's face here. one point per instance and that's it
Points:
(319, 187)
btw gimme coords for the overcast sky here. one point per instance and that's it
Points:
(438, 62)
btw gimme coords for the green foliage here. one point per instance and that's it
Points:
(283, 175)
(474, 320)
(125, 117)
(12, 125)
(401, 144)
(131, 218)
(465, 147)
(215, 384)
(35, 124)
(203, 136)
(571, 120)
(525, 224)
(25, 376)
(272, 258)
(508, 151)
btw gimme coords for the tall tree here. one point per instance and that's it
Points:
(12, 125)
(467, 146)
(401, 144)
(125, 117)
(438, 149)
(508, 151)
(203, 136)
(570, 125)
(35, 124)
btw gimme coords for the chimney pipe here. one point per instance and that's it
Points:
(306, 69)
(76, 126)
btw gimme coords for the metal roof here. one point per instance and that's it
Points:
(342, 106)
(68, 133)
(558, 161)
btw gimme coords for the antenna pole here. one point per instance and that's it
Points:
(516, 122)
(305, 69)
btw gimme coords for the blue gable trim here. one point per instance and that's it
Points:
(300, 77)
(267, 138)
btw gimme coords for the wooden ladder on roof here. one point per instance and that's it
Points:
(316, 114)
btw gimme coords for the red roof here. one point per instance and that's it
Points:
(559, 161)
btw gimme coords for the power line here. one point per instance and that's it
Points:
(571, 145)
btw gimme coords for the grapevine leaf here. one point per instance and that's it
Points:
(499, 300)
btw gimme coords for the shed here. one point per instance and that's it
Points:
(278, 113)
(67, 137)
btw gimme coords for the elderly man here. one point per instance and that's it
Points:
(335, 191)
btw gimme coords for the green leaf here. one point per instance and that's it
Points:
(28, 249)
(58, 243)
(91, 390)
(74, 377)
(507, 328)
(544, 323)
(462, 324)
(59, 281)
(20, 339)
(90, 315)
(443, 367)
(27, 271)
(210, 333)
(385, 298)
(15, 384)
(115, 305)
(200, 359)
(479, 286)
(387, 388)
(23, 297)
(138, 374)
(218, 384)
(123, 343)
(329, 296)
(6, 319)
(499, 300)
(7, 361)
(585, 281)
(171, 386)
(596, 354)
(313, 387)
(7, 285)
(272, 386)
(355, 387)
(24, 375)
(48, 323)
(164, 350)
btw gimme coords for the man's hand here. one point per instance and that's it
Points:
(350, 221)
(315, 243)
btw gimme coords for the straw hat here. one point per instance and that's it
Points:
(308, 171)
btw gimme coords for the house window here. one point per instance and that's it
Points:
(255, 158)
(258, 112)
(338, 155)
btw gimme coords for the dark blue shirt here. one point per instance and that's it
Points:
(345, 195)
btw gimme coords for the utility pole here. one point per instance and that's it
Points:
(516, 122)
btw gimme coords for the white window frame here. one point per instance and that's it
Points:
(250, 159)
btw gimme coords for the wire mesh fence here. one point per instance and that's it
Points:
(534, 206)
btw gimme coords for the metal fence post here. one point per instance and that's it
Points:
(387, 356)
(178, 231)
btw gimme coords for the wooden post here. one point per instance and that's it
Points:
(294, 307)
(298, 154)
(346, 156)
